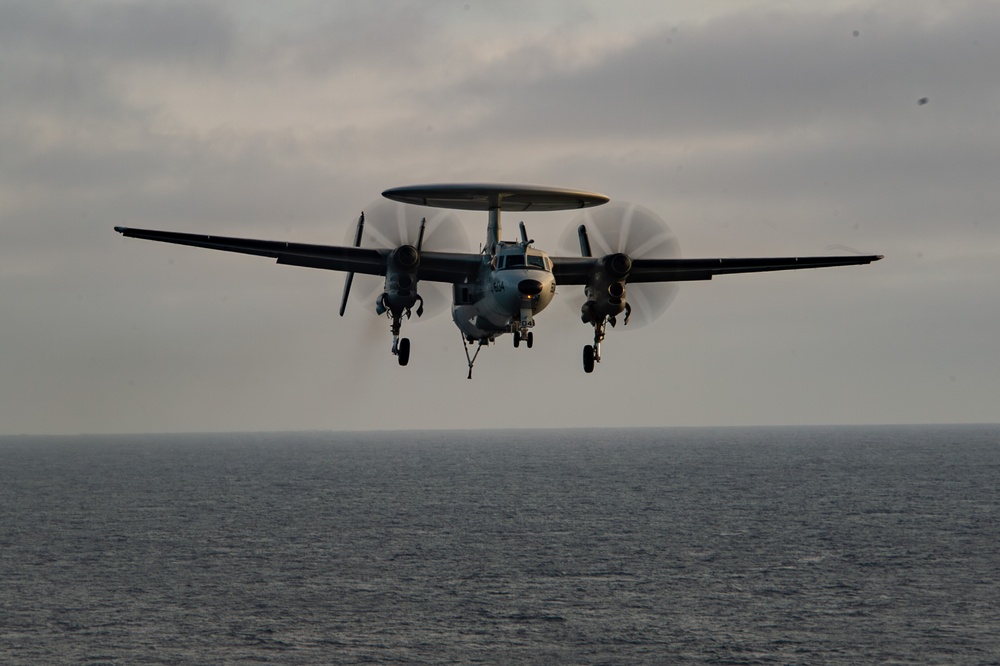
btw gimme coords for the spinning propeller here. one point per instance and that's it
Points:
(638, 232)
(388, 224)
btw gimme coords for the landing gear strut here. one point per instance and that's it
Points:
(400, 346)
(592, 353)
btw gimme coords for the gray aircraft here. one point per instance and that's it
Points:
(503, 287)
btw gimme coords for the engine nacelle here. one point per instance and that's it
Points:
(400, 293)
(605, 290)
(401, 271)
(405, 259)
(617, 265)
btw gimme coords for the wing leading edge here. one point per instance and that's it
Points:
(451, 267)
(577, 270)
(434, 266)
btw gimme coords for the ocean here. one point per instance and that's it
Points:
(827, 545)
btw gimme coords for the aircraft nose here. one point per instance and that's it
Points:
(529, 287)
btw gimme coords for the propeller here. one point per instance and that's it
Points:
(641, 234)
(389, 224)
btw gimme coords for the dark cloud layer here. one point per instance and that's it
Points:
(757, 131)
(755, 71)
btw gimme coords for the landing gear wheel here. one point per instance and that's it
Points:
(588, 359)
(404, 351)
(530, 339)
(517, 339)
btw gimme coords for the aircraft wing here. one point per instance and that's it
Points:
(434, 266)
(576, 270)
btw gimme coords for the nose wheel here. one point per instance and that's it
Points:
(528, 338)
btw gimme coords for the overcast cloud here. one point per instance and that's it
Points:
(761, 128)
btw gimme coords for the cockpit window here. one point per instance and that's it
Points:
(518, 260)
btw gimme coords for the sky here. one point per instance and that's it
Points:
(753, 128)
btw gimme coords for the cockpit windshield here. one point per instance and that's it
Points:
(519, 260)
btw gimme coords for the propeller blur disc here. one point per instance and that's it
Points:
(641, 234)
(389, 224)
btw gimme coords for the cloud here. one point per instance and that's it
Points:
(750, 71)
(752, 130)
(146, 33)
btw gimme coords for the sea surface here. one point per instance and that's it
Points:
(839, 545)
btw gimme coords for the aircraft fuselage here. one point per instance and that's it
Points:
(513, 286)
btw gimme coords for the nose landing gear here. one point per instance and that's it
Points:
(522, 329)
(529, 338)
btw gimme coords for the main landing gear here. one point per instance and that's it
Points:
(590, 357)
(401, 349)
(592, 353)
(400, 346)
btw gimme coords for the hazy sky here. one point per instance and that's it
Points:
(752, 128)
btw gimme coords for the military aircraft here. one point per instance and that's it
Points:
(502, 288)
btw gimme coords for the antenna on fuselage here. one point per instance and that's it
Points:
(493, 230)
(524, 235)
